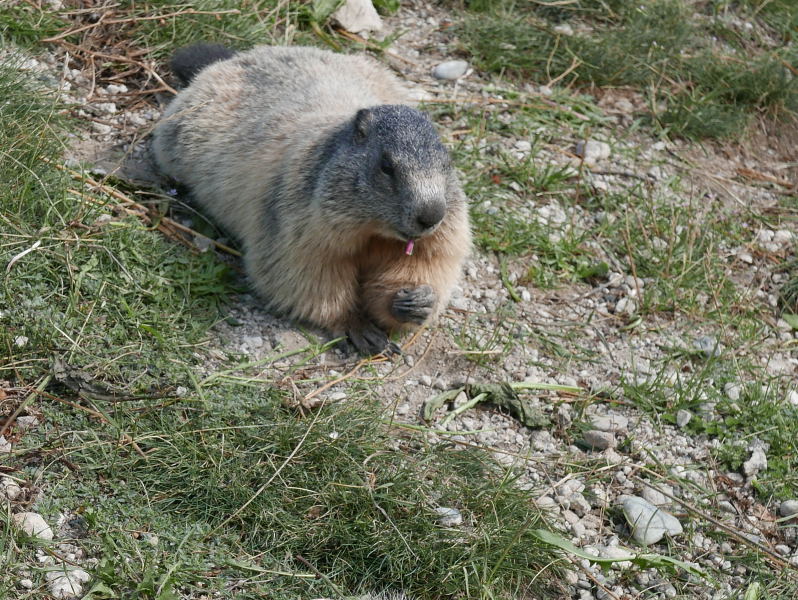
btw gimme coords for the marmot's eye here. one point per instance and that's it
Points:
(386, 166)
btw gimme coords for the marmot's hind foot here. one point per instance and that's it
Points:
(413, 305)
(370, 340)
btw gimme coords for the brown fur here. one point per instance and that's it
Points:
(247, 136)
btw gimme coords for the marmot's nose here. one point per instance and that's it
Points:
(430, 214)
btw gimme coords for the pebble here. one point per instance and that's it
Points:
(592, 151)
(708, 345)
(655, 496)
(5, 445)
(600, 440)
(683, 417)
(563, 29)
(338, 396)
(26, 583)
(10, 488)
(523, 146)
(33, 524)
(788, 508)
(450, 70)
(618, 552)
(758, 462)
(448, 517)
(27, 422)
(426, 380)
(733, 391)
(792, 398)
(609, 422)
(649, 524)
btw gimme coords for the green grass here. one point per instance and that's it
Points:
(234, 485)
(712, 79)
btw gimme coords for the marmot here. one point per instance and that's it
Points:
(350, 212)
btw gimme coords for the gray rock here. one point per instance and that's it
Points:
(600, 440)
(5, 445)
(450, 69)
(10, 488)
(649, 524)
(609, 422)
(788, 508)
(592, 151)
(33, 524)
(26, 583)
(358, 16)
(448, 517)
(708, 345)
(758, 462)
(27, 422)
(655, 496)
(683, 417)
(732, 391)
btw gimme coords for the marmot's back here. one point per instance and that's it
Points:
(314, 162)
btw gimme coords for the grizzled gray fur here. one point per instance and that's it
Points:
(315, 162)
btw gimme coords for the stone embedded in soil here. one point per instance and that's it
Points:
(358, 16)
(649, 524)
(655, 494)
(450, 69)
(33, 524)
(708, 345)
(609, 422)
(448, 517)
(788, 508)
(758, 462)
(592, 151)
(733, 391)
(600, 440)
(66, 583)
(10, 488)
(683, 417)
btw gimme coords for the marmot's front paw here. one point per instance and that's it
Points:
(413, 305)
(370, 340)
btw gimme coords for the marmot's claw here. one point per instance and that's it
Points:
(371, 340)
(413, 305)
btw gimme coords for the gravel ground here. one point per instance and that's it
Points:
(584, 476)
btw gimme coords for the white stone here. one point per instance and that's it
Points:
(683, 417)
(450, 69)
(733, 391)
(113, 88)
(783, 236)
(523, 146)
(20, 341)
(358, 16)
(33, 524)
(563, 29)
(600, 440)
(10, 488)
(26, 583)
(338, 396)
(592, 150)
(609, 422)
(64, 587)
(758, 462)
(792, 397)
(27, 422)
(655, 496)
(618, 552)
(649, 524)
(788, 508)
(448, 517)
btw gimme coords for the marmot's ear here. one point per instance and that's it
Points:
(363, 120)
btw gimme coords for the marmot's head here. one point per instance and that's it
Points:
(399, 171)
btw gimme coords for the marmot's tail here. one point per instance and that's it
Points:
(189, 61)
